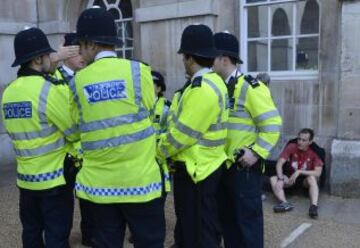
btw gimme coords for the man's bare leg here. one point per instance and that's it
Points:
(278, 188)
(313, 189)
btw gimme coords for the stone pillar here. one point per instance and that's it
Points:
(345, 174)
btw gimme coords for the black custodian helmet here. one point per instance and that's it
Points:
(29, 44)
(98, 25)
(198, 40)
(228, 45)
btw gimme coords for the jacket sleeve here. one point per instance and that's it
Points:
(193, 118)
(266, 117)
(59, 111)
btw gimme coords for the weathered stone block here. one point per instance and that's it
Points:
(345, 168)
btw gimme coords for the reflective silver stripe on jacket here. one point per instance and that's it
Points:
(43, 103)
(213, 127)
(174, 142)
(240, 127)
(264, 144)
(211, 143)
(114, 121)
(135, 71)
(220, 97)
(47, 131)
(270, 128)
(216, 127)
(240, 113)
(71, 130)
(188, 130)
(119, 140)
(117, 120)
(242, 97)
(266, 115)
(76, 98)
(40, 150)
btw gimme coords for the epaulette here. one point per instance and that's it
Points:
(196, 82)
(252, 81)
(54, 81)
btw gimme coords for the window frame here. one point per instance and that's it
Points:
(244, 39)
(122, 20)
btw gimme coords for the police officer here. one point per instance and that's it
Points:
(196, 141)
(119, 177)
(162, 105)
(254, 128)
(37, 128)
(170, 122)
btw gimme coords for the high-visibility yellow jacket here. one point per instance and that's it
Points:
(254, 120)
(62, 75)
(112, 98)
(159, 115)
(175, 104)
(64, 78)
(172, 109)
(197, 135)
(37, 127)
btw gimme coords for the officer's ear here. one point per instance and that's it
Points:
(190, 59)
(37, 61)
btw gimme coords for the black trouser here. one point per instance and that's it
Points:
(196, 209)
(46, 216)
(145, 220)
(240, 208)
(86, 222)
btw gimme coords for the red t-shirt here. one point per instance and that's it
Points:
(300, 160)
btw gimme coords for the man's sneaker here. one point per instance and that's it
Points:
(283, 207)
(313, 211)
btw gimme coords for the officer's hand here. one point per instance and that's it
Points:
(249, 158)
(65, 52)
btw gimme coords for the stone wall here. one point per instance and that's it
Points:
(345, 174)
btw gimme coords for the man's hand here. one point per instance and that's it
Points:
(292, 179)
(249, 158)
(65, 52)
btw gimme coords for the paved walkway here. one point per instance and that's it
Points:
(338, 224)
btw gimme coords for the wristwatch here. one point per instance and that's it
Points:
(280, 178)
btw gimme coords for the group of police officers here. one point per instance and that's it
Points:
(101, 125)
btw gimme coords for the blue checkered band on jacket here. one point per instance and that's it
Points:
(41, 177)
(131, 191)
(167, 177)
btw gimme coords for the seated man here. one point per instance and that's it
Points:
(298, 165)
